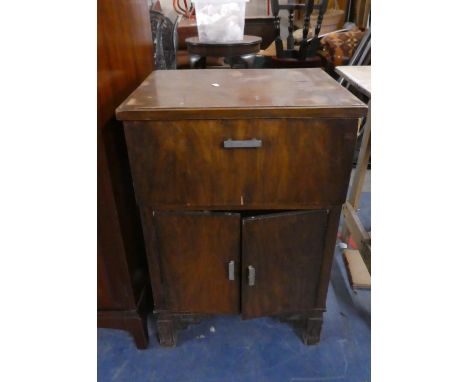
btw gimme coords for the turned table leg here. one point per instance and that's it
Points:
(244, 62)
(197, 62)
(248, 60)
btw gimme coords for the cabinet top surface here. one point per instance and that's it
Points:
(174, 94)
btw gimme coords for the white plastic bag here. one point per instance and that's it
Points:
(220, 20)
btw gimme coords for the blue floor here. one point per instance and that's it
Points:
(257, 350)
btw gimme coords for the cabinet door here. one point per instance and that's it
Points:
(284, 251)
(196, 251)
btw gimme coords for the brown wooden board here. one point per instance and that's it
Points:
(124, 59)
(301, 164)
(194, 250)
(286, 250)
(252, 93)
(358, 274)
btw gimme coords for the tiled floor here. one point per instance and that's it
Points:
(257, 350)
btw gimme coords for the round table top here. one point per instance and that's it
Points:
(247, 40)
(248, 46)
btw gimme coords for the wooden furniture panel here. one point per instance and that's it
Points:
(108, 297)
(194, 250)
(188, 157)
(124, 59)
(239, 94)
(207, 148)
(285, 251)
(262, 26)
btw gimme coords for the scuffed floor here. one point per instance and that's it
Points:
(257, 350)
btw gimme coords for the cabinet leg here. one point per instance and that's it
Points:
(307, 326)
(138, 328)
(312, 330)
(166, 330)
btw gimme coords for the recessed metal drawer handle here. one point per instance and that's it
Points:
(251, 275)
(231, 271)
(242, 144)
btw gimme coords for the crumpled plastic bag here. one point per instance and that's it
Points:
(220, 22)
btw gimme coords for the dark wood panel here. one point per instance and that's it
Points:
(133, 321)
(180, 94)
(110, 274)
(111, 270)
(129, 321)
(124, 53)
(286, 250)
(302, 163)
(328, 253)
(194, 250)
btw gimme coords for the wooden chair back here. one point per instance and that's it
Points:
(307, 48)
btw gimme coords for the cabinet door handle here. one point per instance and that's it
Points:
(246, 144)
(251, 275)
(231, 266)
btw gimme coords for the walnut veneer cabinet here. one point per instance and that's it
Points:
(240, 176)
(124, 59)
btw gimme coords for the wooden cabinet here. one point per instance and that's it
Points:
(124, 53)
(240, 176)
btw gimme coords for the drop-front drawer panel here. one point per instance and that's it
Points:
(239, 164)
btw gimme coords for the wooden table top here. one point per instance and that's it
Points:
(217, 93)
(359, 76)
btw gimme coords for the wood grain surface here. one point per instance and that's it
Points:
(286, 251)
(252, 93)
(124, 59)
(194, 250)
(302, 163)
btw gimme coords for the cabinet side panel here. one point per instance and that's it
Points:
(328, 253)
(124, 54)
